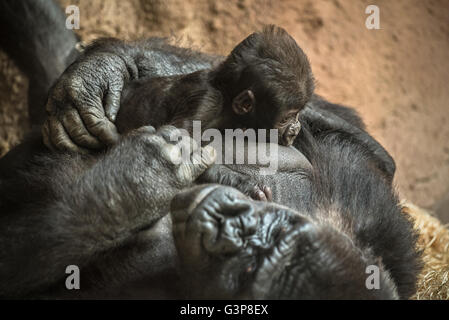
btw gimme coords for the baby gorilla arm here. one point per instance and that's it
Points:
(104, 207)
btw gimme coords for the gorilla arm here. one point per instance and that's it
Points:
(84, 102)
(95, 206)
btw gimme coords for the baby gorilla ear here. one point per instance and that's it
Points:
(244, 102)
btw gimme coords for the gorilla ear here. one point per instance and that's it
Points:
(244, 102)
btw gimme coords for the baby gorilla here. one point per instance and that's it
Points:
(263, 84)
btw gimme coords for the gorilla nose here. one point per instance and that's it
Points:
(186, 201)
(214, 200)
(204, 219)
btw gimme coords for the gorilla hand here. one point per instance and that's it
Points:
(84, 102)
(154, 166)
(169, 154)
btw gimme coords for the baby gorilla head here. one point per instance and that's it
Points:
(269, 80)
(232, 247)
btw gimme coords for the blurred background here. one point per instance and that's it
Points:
(396, 77)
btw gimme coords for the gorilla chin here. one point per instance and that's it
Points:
(230, 246)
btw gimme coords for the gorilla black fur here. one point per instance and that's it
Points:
(108, 212)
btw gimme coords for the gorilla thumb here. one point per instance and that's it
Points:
(201, 160)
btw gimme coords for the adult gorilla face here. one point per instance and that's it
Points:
(233, 247)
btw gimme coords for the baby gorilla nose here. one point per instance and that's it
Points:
(290, 134)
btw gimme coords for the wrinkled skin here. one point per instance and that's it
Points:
(84, 117)
(117, 85)
(319, 243)
(262, 84)
(98, 206)
(84, 102)
(79, 122)
(108, 212)
(230, 246)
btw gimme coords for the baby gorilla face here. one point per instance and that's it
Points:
(232, 247)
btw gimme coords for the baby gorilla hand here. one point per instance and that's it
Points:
(257, 191)
(83, 103)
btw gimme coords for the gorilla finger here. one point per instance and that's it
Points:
(182, 151)
(268, 193)
(46, 136)
(112, 102)
(59, 138)
(99, 126)
(172, 153)
(56, 97)
(50, 106)
(199, 162)
(187, 144)
(171, 134)
(78, 132)
(145, 130)
(260, 195)
(231, 201)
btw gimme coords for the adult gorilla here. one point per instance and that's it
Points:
(108, 212)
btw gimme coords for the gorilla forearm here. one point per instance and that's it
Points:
(154, 56)
(75, 105)
(93, 207)
(89, 216)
